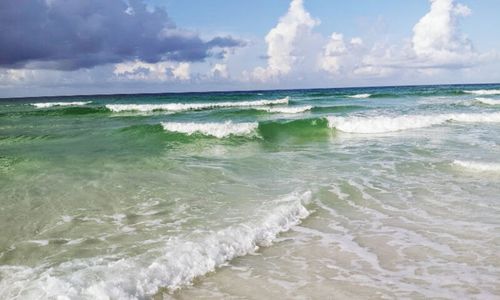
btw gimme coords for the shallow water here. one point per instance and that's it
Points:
(308, 194)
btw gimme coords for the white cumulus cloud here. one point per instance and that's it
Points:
(338, 55)
(437, 37)
(282, 41)
(437, 45)
(161, 71)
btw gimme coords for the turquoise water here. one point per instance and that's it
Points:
(336, 193)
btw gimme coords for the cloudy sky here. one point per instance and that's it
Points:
(62, 47)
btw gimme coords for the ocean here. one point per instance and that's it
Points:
(352, 193)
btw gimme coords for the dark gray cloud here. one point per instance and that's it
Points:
(74, 34)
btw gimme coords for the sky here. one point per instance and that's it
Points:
(71, 47)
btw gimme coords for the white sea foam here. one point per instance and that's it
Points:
(219, 130)
(382, 124)
(288, 109)
(52, 104)
(193, 106)
(140, 277)
(478, 166)
(483, 92)
(40, 242)
(360, 96)
(488, 101)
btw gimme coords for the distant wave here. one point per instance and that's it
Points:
(478, 166)
(140, 277)
(360, 96)
(192, 106)
(338, 108)
(288, 109)
(488, 101)
(265, 130)
(52, 104)
(219, 130)
(383, 124)
(483, 92)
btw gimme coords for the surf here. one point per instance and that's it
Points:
(487, 101)
(475, 166)
(483, 92)
(52, 104)
(385, 124)
(176, 107)
(176, 265)
(360, 96)
(218, 130)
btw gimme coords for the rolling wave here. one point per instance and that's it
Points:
(266, 130)
(52, 104)
(218, 130)
(142, 276)
(483, 92)
(255, 111)
(384, 124)
(302, 128)
(478, 166)
(192, 106)
(488, 101)
(360, 96)
(288, 109)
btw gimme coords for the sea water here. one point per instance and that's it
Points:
(389, 192)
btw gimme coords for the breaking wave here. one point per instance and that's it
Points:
(488, 101)
(288, 109)
(192, 106)
(483, 92)
(382, 124)
(478, 166)
(360, 96)
(141, 277)
(52, 104)
(218, 130)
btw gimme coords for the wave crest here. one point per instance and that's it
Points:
(192, 106)
(360, 96)
(219, 130)
(478, 166)
(483, 92)
(289, 110)
(488, 101)
(383, 124)
(52, 104)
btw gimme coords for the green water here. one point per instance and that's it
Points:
(392, 193)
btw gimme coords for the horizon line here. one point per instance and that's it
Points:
(246, 91)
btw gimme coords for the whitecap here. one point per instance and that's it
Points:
(219, 130)
(288, 109)
(192, 106)
(140, 277)
(360, 96)
(478, 166)
(483, 92)
(52, 104)
(488, 101)
(383, 124)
